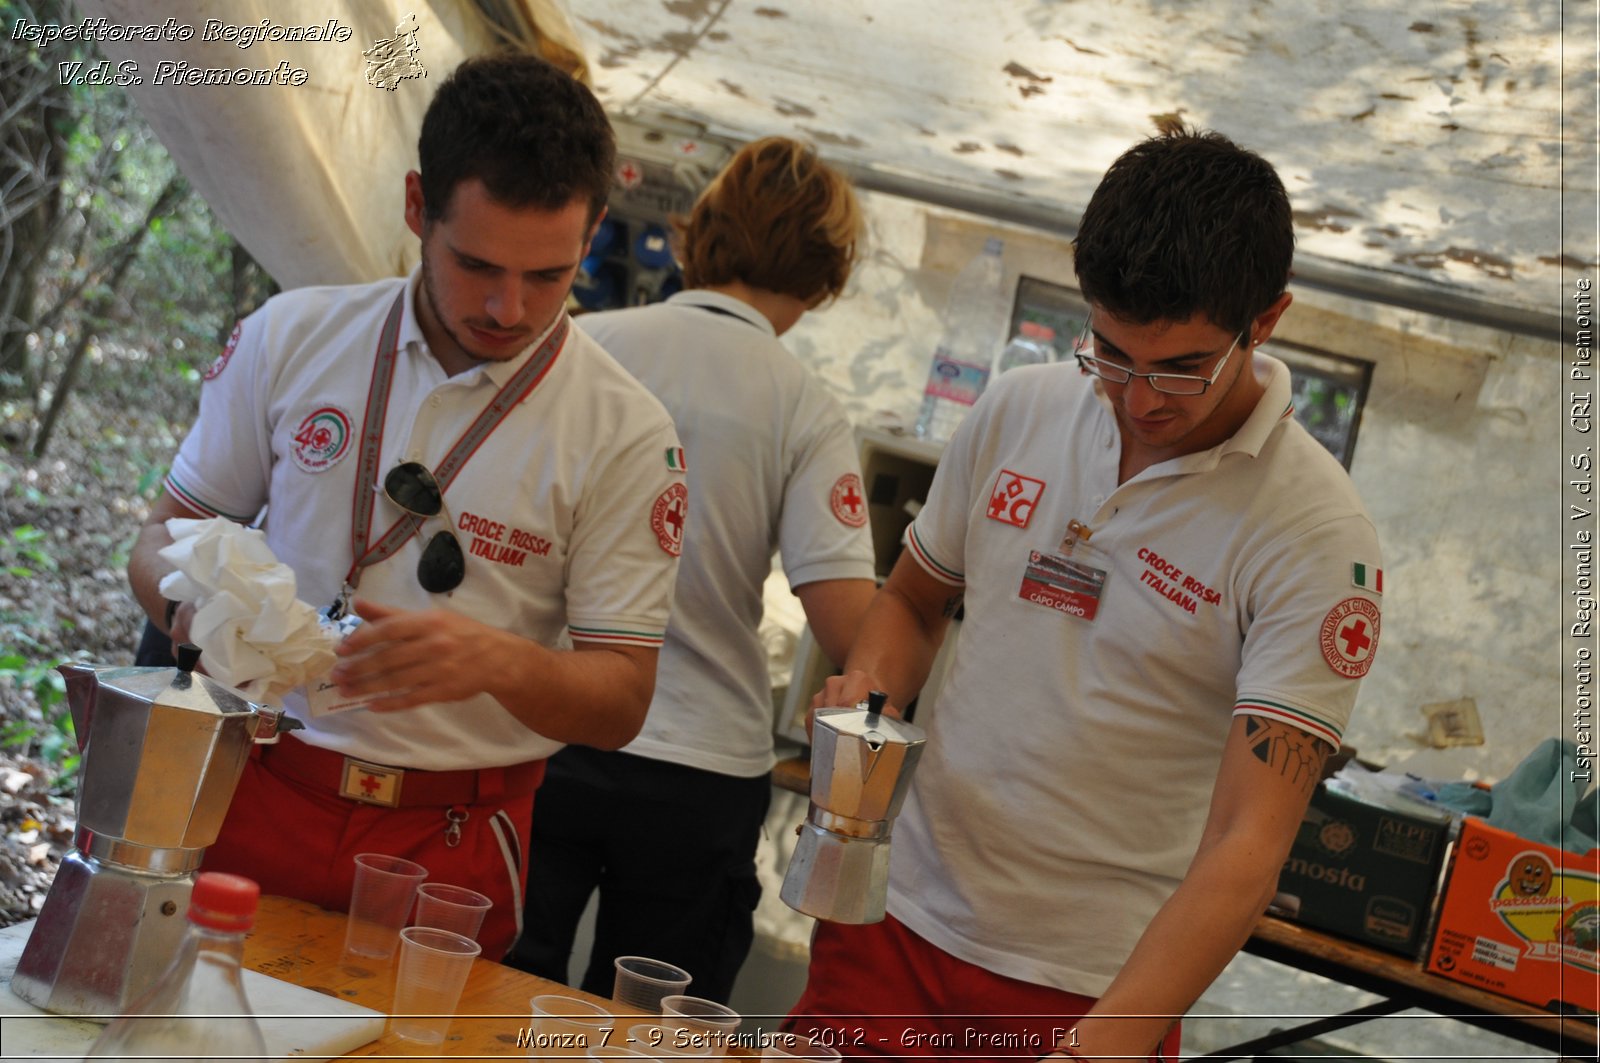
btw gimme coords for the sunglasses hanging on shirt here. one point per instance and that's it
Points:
(411, 486)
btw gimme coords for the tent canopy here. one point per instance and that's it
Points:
(1426, 150)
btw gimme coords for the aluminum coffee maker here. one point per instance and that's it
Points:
(162, 751)
(861, 765)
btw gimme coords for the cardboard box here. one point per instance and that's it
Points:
(1366, 872)
(1520, 919)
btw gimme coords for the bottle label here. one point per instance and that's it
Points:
(957, 381)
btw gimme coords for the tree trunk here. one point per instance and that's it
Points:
(97, 305)
(37, 118)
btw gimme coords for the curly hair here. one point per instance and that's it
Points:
(1182, 224)
(534, 136)
(777, 218)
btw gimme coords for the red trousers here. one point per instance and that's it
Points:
(299, 840)
(880, 990)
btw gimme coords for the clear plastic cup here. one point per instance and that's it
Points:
(667, 1041)
(433, 967)
(567, 1027)
(642, 982)
(706, 1020)
(617, 1052)
(790, 1047)
(452, 908)
(380, 901)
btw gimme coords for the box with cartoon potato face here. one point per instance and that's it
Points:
(1520, 919)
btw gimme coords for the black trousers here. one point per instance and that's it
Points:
(671, 850)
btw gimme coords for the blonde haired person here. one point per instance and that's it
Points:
(667, 828)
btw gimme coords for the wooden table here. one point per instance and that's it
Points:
(1400, 981)
(301, 943)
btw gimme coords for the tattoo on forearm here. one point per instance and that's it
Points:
(951, 604)
(1296, 755)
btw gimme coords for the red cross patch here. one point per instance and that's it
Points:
(1013, 498)
(1349, 637)
(629, 174)
(847, 502)
(667, 517)
(215, 369)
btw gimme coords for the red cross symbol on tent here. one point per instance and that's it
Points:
(629, 174)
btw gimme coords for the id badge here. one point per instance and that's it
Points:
(1068, 585)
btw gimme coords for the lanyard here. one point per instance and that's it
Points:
(513, 391)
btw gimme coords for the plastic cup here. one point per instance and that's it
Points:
(380, 900)
(666, 1041)
(452, 908)
(642, 982)
(567, 1027)
(705, 1020)
(433, 966)
(617, 1052)
(789, 1046)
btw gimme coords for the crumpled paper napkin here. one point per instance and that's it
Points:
(254, 634)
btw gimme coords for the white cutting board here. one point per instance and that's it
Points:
(296, 1022)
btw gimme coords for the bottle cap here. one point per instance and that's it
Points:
(224, 902)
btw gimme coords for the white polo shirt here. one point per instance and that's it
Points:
(569, 514)
(772, 462)
(1069, 768)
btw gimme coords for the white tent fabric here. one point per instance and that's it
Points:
(308, 178)
(1429, 146)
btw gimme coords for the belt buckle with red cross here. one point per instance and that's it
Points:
(371, 784)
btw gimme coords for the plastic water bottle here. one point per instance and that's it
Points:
(1034, 344)
(973, 324)
(197, 1008)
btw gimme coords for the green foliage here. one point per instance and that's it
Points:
(23, 545)
(54, 740)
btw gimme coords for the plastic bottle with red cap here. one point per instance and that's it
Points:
(197, 1008)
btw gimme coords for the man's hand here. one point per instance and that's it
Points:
(845, 691)
(400, 658)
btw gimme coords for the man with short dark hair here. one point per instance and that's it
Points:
(1167, 614)
(490, 478)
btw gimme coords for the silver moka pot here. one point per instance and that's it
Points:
(162, 751)
(861, 765)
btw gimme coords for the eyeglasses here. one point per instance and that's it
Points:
(412, 487)
(1166, 383)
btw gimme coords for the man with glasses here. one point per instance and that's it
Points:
(449, 458)
(1170, 599)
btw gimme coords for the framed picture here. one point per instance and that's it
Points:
(1329, 390)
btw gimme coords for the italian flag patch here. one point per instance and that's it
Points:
(1367, 577)
(675, 459)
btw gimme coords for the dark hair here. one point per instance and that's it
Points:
(534, 136)
(776, 217)
(1182, 224)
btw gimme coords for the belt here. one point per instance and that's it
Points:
(382, 784)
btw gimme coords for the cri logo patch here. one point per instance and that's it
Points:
(322, 439)
(667, 518)
(216, 367)
(846, 501)
(1013, 497)
(1349, 637)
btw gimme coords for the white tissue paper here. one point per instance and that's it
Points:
(253, 633)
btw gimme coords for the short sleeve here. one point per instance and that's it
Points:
(626, 539)
(224, 465)
(823, 531)
(1314, 607)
